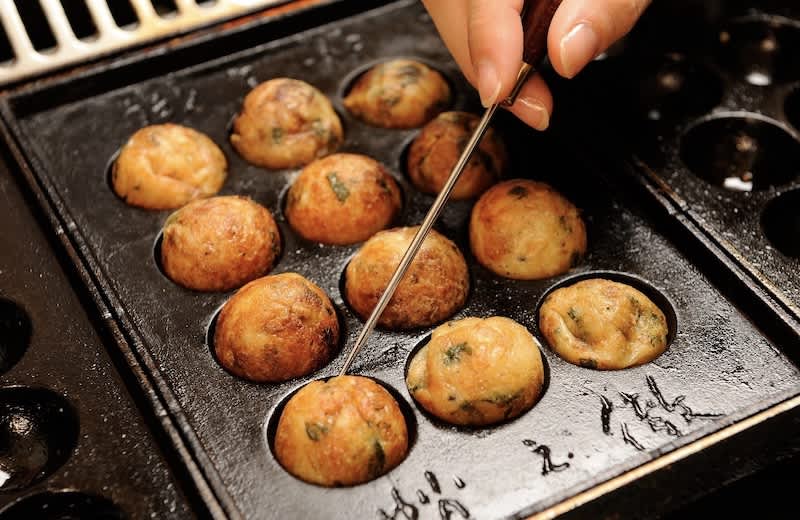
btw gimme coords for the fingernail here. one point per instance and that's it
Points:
(488, 83)
(539, 117)
(580, 46)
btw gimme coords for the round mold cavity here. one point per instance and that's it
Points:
(38, 430)
(15, 334)
(760, 50)
(640, 284)
(211, 330)
(792, 108)
(350, 80)
(741, 151)
(674, 87)
(271, 426)
(781, 223)
(441, 423)
(63, 505)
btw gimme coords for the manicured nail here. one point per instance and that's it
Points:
(580, 46)
(488, 83)
(538, 116)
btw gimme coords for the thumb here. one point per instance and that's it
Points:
(495, 46)
(582, 29)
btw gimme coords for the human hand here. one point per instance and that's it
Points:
(485, 38)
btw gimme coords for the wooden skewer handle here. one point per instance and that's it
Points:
(536, 18)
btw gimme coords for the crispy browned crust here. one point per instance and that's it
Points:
(165, 166)
(433, 289)
(219, 243)
(342, 199)
(398, 94)
(285, 123)
(341, 432)
(434, 153)
(526, 230)
(603, 324)
(477, 371)
(276, 328)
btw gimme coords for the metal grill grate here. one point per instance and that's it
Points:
(37, 36)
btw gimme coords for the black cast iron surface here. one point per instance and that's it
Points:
(60, 390)
(736, 60)
(588, 427)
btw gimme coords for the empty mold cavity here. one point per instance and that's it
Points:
(6, 52)
(123, 13)
(792, 108)
(406, 409)
(79, 18)
(36, 24)
(38, 430)
(165, 8)
(781, 223)
(675, 87)
(741, 152)
(15, 334)
(63, 505)
(760, 51)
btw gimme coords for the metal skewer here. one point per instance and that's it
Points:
(536, 17)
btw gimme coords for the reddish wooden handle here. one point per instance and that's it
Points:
(536, 18)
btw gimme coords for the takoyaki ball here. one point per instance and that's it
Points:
(341, 432)
(433, 289)
(526, 230)
(342, 199)
(166, 166)
(434, 153)
(285, 123)
(398, 94)
(220, 243)
(276, 328)
(477, 372)
(603, 325)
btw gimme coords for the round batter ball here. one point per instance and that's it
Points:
(434, 153)
(166, 166)
(220, 243)
(433, 289)
(398, 94)
(285, 123)
(341, 432)
(603, 325)
(276, 328)
(477, 372)
(526, 230)
(342, 199)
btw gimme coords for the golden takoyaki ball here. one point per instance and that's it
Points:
(434, 153)
(477, 371)
(341, 432)
(285, 123)
(398, 94)
(433, 289)
(165, 166)
(342, 199)
(603, 324)
(526, 230)
(276, 328)
(219, 243)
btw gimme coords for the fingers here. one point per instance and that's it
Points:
(534, 104)
(494, 33)
(582, 29)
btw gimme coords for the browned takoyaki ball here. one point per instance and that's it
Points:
(434, 153)
(526, 230)
(342, 199)
(477, 371)
(165, 166)
(433, 289)
(604, 325)
(398, 94)
(341, 432)
(276, 328)
(219, 243)
(285, 123)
